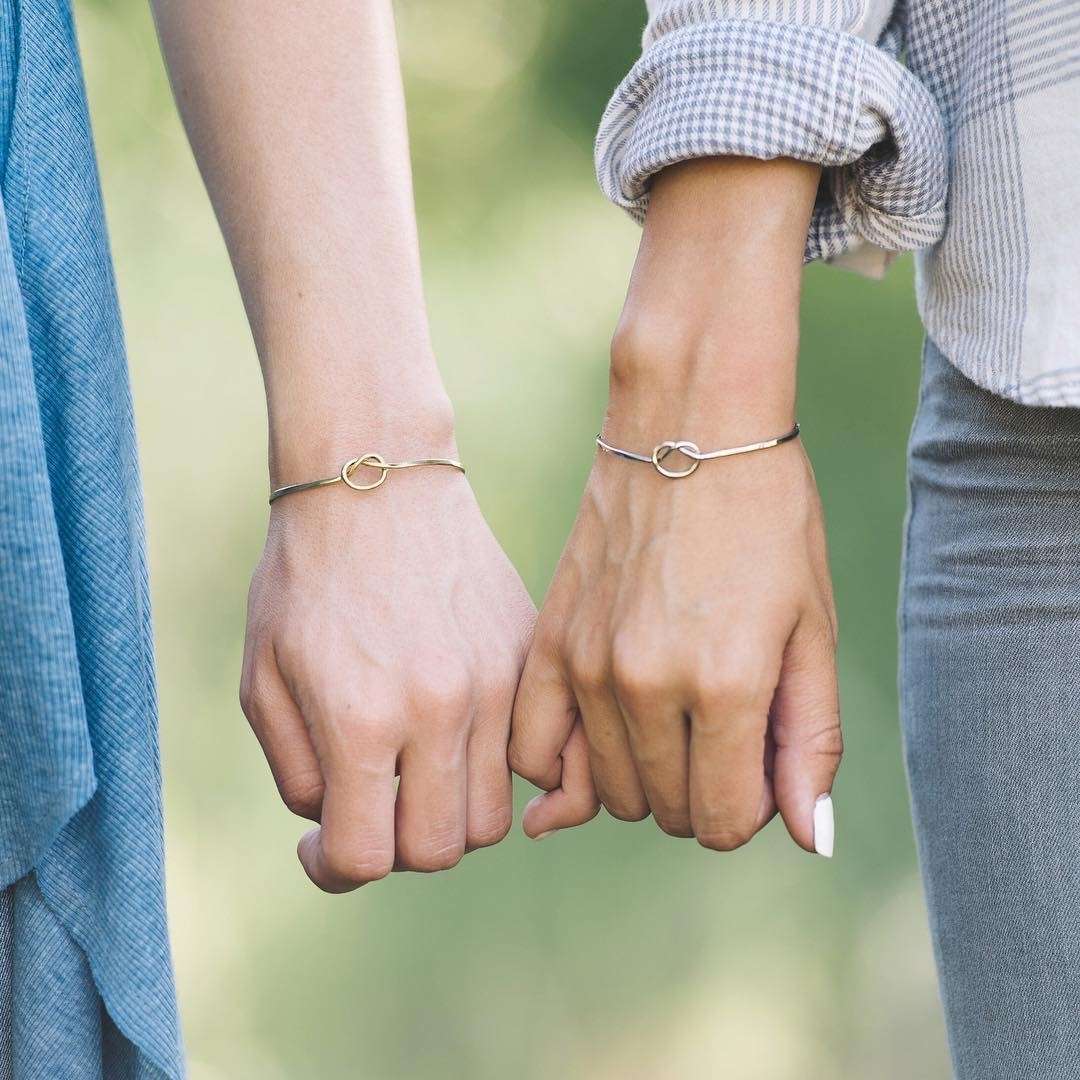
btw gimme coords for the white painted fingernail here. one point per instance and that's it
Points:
(824, 828)
(541, 836)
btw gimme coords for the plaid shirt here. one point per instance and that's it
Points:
(968, 150)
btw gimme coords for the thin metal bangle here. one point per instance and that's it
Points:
(690, 450)
(371, 461)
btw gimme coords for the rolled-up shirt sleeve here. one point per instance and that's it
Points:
(815, 80)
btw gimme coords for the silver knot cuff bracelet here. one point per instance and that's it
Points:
(690, 450)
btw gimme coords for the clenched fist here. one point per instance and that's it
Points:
(386, 634)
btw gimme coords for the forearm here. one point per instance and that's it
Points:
(296, 117)
(707, 344)
(351, 679)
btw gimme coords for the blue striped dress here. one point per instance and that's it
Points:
(86, 989)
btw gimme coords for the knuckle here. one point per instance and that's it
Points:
(380, 727)
(626, 809)
(730, 687)
(429, 858)
(525, 710)
(376, 730)
(296, 649)
(374, 867)
(302, 794)
(248, 704)
(532, 766)
(819, 634)
(674, 825)
(490, 828)
(812, 734)
(358, 866)
(251, 691)
(641, 688)
(519, 761)
(588, 669)
(443, 690)
(828, 742)
(527, 765)
(724, 837)
(828, 631)
(638, 677)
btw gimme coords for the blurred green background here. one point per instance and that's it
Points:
(612, 952)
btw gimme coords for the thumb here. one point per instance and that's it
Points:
(574, 801)
(805, 719)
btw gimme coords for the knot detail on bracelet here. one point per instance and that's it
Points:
(372, 461)
(690, 450)
(687, 449)
(347, 474)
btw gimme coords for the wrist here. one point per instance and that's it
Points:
(311, 439)
(707, 344)
(706, 386)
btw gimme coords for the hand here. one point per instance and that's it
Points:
(687, 643)
(690, 626)
(386, 633)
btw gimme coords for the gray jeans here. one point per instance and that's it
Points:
(990, 689)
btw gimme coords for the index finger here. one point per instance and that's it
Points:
(574, 801)
(544, 714)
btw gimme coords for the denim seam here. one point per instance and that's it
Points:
(902, 620)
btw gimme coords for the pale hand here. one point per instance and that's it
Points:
(386, 633)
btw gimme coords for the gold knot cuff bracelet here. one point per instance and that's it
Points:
(690, 450)
(367, 461)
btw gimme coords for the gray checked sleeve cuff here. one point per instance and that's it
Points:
(750, 88)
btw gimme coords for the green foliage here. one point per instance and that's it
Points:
(589, 47)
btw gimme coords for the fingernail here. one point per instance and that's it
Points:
(541, 836)
(824, 828)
